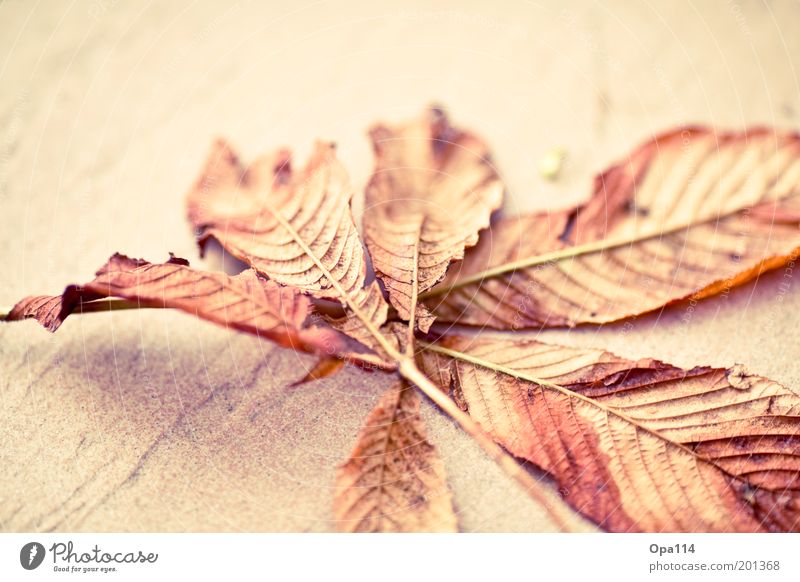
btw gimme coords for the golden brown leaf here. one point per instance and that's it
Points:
(432, 190)
(633, 445)
(739, 191)
(637, 445)
(394, 480)
(322, 369)
(245, 302)
(294, 227)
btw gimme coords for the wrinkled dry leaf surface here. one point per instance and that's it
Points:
(394, 480)
(294, 227)
(638, 445)
(433, 189)
(634, 446)
(740, 190)
(245, 302)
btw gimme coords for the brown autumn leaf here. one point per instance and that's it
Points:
(393, 480)
(294, 227)
(322, 369)
(245, 302)
(713, 450)
(433, 189)
(628, 250)
(637, 445)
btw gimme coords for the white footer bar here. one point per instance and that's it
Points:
(401, 558)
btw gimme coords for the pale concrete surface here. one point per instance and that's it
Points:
(156, 421)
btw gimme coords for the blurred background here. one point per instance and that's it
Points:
(156, 421)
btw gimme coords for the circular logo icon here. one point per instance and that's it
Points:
(31, 555)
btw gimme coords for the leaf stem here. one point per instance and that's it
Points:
(111, 304)
(368, 324)
(97, 306)
(409, 370)
(565, 253)
(570, 394)
(491, 366)
(412, 322)
(407, 367)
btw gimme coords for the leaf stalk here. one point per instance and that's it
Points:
(409, 370)
(565, 253)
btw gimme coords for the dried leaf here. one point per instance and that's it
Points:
(324, 368)
(294, 227)
(245, 302)
(394, 480)
(432, 190)
(638, 445)
(628, 250)
(634, 445)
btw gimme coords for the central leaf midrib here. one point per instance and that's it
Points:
(570, 394)
(575, 251)
(379, 337)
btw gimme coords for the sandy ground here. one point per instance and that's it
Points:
(155, 421)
